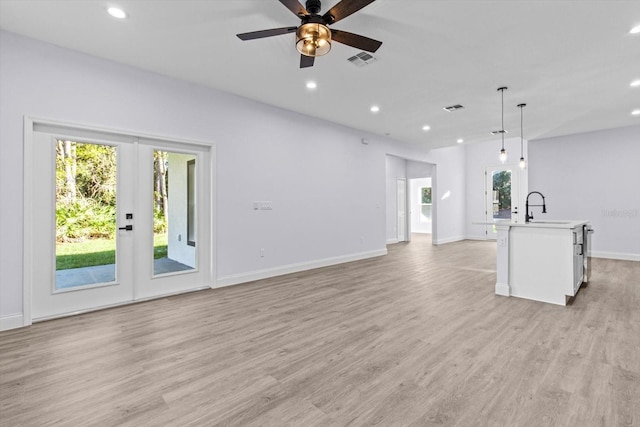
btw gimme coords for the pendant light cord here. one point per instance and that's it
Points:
(502, 128)
(521, 106)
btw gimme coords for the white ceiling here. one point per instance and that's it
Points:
(571, 61)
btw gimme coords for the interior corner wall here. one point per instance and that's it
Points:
(593, 176)
(448, 193)
(446, 167)
(320, 215)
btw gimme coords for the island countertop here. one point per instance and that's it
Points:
(543, 224)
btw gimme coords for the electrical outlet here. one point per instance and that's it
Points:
(261, 252)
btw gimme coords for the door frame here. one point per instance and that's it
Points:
(407, 224)
(520, 178)
(127, 136)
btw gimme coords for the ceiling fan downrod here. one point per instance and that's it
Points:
(313, 6)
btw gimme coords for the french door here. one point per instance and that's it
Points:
(502, 190)
(114, 219)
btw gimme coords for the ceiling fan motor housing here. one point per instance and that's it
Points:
(313, 6)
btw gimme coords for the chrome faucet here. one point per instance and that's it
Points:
(528, 217)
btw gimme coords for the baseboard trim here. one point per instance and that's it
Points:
(615, 255)
(503, 289)
(13, 321)
(483, 238)
(449, 240)
(235, 279)
(392, 241)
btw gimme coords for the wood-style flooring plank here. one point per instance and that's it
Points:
(414, 338)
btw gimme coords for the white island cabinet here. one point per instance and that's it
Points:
(542, 260)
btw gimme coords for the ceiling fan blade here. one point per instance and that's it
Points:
(355, 40)
(344, 9)
(266, 33)
(306, 61)
(295, 7)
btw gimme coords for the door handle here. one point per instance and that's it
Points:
(126, 227)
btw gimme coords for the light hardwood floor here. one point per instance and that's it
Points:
(414, 338)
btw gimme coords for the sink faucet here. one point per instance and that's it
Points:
(528, 217)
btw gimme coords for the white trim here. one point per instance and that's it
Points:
(483, 238)
(13, 321)
(213, 241)
(615, 255)
(392, 241)
(502, 289)
(235, 279)
(449, 240)
(121, 133)
(27, 233)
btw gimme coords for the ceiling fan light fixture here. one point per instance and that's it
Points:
(313, 39)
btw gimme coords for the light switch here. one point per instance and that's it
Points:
(266, 205)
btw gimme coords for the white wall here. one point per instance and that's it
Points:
(593, 176)
(448, 194)
(396, 169)
(420, 214)
(479, 156)
(327, 189)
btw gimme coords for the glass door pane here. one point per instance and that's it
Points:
(85, 213)
(501, 194)
(174, 207)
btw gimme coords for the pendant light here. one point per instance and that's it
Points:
(503, 152)
(523, 164)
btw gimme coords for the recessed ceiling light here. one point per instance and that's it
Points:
(460, 141)
(117, 13)
(635, 83)
(374, 108)
(426, 128)
(636, 112)
(311, 85)
(635, 30)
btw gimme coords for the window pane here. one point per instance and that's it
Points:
(172, 251)
(85, 214)
(501, 194)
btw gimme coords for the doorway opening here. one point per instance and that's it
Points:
(421, 205)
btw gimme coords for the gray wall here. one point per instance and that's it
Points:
(593, 176)
(327, 189)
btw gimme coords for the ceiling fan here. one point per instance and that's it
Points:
(313, 36)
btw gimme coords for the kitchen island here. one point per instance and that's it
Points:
(542, 260)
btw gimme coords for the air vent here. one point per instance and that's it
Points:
(453, 108)
(498, 132)
(362, 59)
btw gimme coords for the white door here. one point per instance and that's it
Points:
(502, 196)
(97, 236)
(401, 204)
(186, 265)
